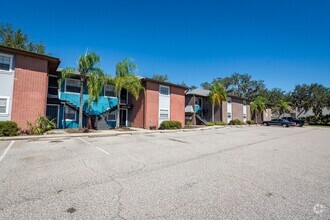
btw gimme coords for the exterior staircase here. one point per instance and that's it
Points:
(201, 119)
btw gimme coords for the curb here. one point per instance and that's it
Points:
(95, 135)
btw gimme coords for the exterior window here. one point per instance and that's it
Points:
(112, 116)
(109, 90)
(70, 114)
(164, 90)
(4, 105)
(5, 62)
(163, 113)
(72, 85)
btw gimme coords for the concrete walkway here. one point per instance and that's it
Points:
(107, 133)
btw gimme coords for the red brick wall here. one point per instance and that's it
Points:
(30, 89)
(136, 115)
(152, 104)
(177, 104)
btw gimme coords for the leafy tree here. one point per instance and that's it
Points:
(17, 39)
(283, 107)
(314, 96)
(89, 71)
(258, 106)
(160, 77)
(125, 79)
(206, 85)
(217, 95)
(240, 85)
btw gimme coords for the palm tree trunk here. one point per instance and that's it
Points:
(256, 117)
(118, 111)
(212, 112)
(81, 104)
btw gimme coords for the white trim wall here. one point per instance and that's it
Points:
(229, 109)
(7, 86)
(164, 104)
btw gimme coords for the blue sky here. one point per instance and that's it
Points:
(282, 42)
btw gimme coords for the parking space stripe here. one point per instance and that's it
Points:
(6, 151)
(94, 146)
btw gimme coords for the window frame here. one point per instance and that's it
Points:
(65, 85)
(75, 114)
(167, 87)
(10, 63)
(7, 104)
(114, 90)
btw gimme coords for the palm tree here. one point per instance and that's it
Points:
(217, 95)
(89, 71)
(125, 79)
(283, 107)
(257, 106)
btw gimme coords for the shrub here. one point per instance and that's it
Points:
(8, 128)
(209, 124)
(40, 126)
(220, 123)
(318, 120)
(236, 122)
(170, 125)
(250, 122)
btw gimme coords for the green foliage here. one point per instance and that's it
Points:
(160, 77)
(250, 122)
(258, 105)
(8, 128)
(314, 96)
(40, 126)
(282, 107)
(17, 39)
(236, 122)
(209, 123)
(240, 85)
(217, 95)
(318, 120)
(125, 79)
(219, 123)
(88, 69)
(169, 125)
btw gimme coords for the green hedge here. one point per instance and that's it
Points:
(250, 122)
(8, 128)
(170, 125)
(318, 120)
(236, 122)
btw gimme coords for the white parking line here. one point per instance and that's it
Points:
(94, 146)
(6, 151)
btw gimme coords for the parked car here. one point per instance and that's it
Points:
(279, 122)
(298, 122)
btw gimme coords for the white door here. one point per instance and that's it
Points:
(164, 104)
(244, 111)
(229, 110)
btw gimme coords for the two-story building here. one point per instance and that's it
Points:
(198, 108)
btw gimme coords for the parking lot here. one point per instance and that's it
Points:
(226, 173)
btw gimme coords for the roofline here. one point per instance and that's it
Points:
(164, 83)
(31, 54)
(229, 95)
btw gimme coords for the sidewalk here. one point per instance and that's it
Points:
(104, 133)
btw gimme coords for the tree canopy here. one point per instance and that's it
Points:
(160, 77)
(17, 39)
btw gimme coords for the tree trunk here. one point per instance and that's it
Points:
(118, 111)
(256, 117)
(212, 112)
(81, 104)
